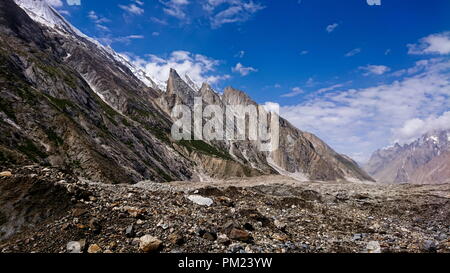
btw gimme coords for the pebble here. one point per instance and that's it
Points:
(149, 244)
(129, 231)
(93, 249)
(176, 239)
(76, 246)
(240, 235)
(373, 247)
(5, 174)
(429, 246)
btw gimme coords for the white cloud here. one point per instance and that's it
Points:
(332, 27)
(175, 8)
(96, 18)
(55, 3)
(328, 89)
(358, 121)
(122, 39)
(415, 128)
(198, 67)
(74, 2)
(295, 92)
(272, 107)
(240, 54)
(433, 44)
(134, 8)
(353, 52)
(374, 69)
(230, 11)
(241, 69)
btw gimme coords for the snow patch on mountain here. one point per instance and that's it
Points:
(41, 12)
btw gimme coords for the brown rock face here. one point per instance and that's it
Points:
(424, 161)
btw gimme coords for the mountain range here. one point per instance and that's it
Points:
(69, 102)
(424, 161)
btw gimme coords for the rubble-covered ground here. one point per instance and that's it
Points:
(43, 210)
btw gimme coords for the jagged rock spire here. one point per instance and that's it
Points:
(209, 95)
(177, 86)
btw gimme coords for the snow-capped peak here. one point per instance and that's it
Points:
(41, 12)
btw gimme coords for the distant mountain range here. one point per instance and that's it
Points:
(424, 161)
(67, 101)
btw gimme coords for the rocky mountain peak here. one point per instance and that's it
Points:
(42, 12)
(232, 96)
(209, 95)
(425, 160)
(177, 86)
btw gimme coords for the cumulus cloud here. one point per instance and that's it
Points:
(374, 69)
(358, 121)
(433, 44)
(332, 27)
(198, 67)
(415, 128)
(244, 71)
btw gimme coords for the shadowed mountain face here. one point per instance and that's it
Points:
(68, 102)
(424, 161)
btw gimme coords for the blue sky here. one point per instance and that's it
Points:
(359, 76)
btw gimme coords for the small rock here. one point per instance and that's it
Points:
(135, 212)
(240, 235)
(129, 231)
(93, 249)
(5, 174)
(148, 244)
(429, 246)
(65, 226)
(200, 200)
(310, 195)
(112, 245)
(76, 246)
(236, 248)
(95, 226)
(357, 237)
(176, 239)
(77, 212)
(211, 236)
(223, 239)
(279, 225)
(373, 247)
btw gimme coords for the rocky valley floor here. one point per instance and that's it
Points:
(43, 210)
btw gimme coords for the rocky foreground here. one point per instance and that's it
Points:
(43, 210)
